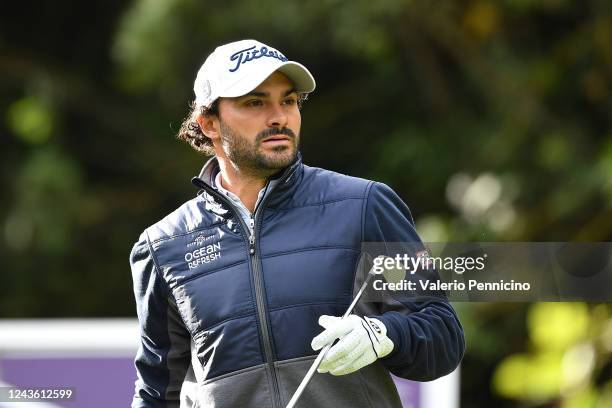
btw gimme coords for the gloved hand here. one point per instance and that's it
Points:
(362, 341)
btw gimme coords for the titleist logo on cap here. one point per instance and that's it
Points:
(246, 55)
(222, 75)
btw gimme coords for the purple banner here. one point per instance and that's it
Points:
(106, 381)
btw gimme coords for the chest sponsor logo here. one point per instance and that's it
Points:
(203, 250)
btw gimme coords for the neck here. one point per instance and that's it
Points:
(245, 185)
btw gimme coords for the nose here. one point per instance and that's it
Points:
(278, 116)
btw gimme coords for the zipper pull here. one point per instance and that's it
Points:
(252, 236)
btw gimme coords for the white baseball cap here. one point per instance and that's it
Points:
(237, 68)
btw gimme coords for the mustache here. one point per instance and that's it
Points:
(275, 131)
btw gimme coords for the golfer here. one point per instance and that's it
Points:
(239, 288)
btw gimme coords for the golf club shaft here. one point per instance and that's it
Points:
(323, 352)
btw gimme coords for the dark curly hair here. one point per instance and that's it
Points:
(190, 131)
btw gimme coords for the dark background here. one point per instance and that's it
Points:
(491, 119)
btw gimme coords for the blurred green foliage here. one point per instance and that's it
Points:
(490, 118)
(30, 119)
(569, 349)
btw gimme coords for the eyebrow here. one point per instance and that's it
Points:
(265, 94)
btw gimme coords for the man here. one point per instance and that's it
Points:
(232, 286)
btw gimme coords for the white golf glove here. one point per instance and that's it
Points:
(362, 341)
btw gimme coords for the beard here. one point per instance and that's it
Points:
(250, 157)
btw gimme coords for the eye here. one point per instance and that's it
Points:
(254, 102)
(290, 101)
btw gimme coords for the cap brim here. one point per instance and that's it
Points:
(300, 76)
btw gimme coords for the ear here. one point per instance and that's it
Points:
(209, 124)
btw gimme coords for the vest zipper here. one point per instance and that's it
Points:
(260, 301)
(252, 236)
(261, 314)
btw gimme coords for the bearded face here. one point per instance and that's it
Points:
(271, 150)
